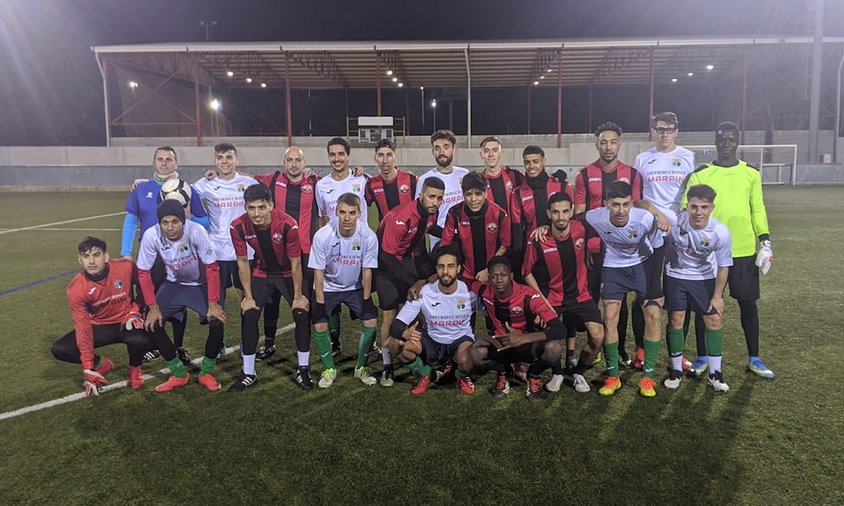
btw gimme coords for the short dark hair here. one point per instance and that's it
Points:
(491, 138)
(90, 242)
(608, 126)
(533, 149)
(618, 190)
(257, 192)
(499, 260)
(350, 199)
(434, 182)
(385, 143)
(474, 181)
(726, 126)
(165, 148)
(560, 196)
(666, 117)
(444, 134)
(339, 141)
(702, 192)
(225, 146)
(441, 250)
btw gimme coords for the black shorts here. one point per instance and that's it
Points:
(263, 289)
(682, 294)
(744, 279)
(229, 275)
(578, 313)
(174, 298)
(617, 282)
(655, 266)
(526, 353)
(392, 291)
(435, 353)
(353, 299)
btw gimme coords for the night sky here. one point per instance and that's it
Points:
(51, 92)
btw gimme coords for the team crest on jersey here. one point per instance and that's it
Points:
(356, 187)
(578, 244)
(118, 284)
(676, 162)
(461, 303)
(240, 187)
(306, 188)
(277, 237)
(404, 189)
(356, 246)
(149, 195)
(92, 290)
(183, 248)
(632, 234)
(516, 310)
(492, 227)
(704, 241)
(508, 185)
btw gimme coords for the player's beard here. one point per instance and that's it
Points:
(447, 282)
(444, 161)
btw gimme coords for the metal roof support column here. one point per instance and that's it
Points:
(198, 119)
(288, 101)
(589, 115)
(815, 97)
(560, 99)
(378, 81)
(743, 122)
(104, 72)
(651, 97)
(528, 109)
(835, 156)
(406, 127)
(468, 100)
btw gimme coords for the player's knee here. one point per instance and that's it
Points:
(252, 316)
(748, 307)
(479, 354)
(321, 327)
(137, 340)
(58, 351)
(677, 319)
(712, 321)
(553, 351)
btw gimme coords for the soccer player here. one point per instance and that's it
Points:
(293, 191)
(340, 181)
(741, 208)
(343, 255)
(531, 200)
(446, 306)
(503, 180)
(479, 228)
(443, 147)
(273, 235)
(556, 266)
(630, 235)
(102, 305)
(403, 259)
(664, 169)
(141, 210)
(183, 246)
(392, 186)
(513, 309)
(697, 264)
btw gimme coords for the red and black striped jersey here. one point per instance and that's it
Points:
(297, 200)
(531, 200)
(590, 182)
(271, 255)
(478, 235)
(501, 187)
(519, 310)
(388, 194)
(559, 266)
(403, 229)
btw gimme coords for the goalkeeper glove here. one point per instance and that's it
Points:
(765, 257)
(92, 382)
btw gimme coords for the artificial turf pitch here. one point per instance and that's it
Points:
(765, 442)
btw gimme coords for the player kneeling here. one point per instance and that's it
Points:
(446, 306)
(183, 246)
(104, 311)
(697, 267)
(513, 308)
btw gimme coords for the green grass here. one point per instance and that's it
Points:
(765, 442)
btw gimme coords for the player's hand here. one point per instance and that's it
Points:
(300, 302)
(411, 333)
(153, 317)
(482, 276)
(248, 304)
(590, 260)
(216, 311)
(359, 171)
(308, 173)
(135, 322)
(138, 182)
(540, 233)
(662, 222)
(765, 257)
(210, 174)
(717, 303)
(413, 291)
(93, 381)
(128, 257)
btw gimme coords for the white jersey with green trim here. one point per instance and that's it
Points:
(328, 190)
(447, 316)
(697, 254)
(664, 176)
(343, 258)
(630, 244)
(223, 201)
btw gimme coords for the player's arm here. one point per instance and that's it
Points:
(400, 328)
(244, 271)
(580, 192)
(553, 331)
(662, 221)
(717, 302)
(84, 339)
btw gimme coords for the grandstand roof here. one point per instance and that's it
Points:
(498, 64)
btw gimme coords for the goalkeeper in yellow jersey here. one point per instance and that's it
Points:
(740, 206)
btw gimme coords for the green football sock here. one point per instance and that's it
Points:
(323, 344)
(611, 353)
(714, 342)
(675, 338)
(177, 368)
(367, 337)
(651, 354)
(458, 373)
(207, 365)
(418, 365)
(334, 326)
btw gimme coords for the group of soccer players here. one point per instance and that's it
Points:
(518, 253)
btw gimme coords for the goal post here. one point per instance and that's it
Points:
(776, 162)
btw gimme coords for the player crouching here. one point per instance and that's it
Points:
(104, 311)
(182, 246)
(512, 309)
(446, 306)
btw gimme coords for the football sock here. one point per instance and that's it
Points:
(323, 344)
(675, 347)
(303, 358)
(687, 323)
(269, 333)
(557, 368)
(386, 356)
(209, 363)
(651, 354)
(638, 318)
(418, 365)
(302, 332)
(611, 354)
(177, 368)
(569, 353)
(700, 335)
(750, 324)
(248, 364)
(179, 329)
(714, 346)
(334, 326)
(458, 373)
(536, 368)
(622, 324)
(580, 368)
(367, 337)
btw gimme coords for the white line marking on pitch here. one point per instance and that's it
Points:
(110, 387)
(60, 223)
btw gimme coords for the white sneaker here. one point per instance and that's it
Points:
(327, 378)
(672, 382)
(364, 374)
(581, 385)
(554, 383)
(716, 381)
